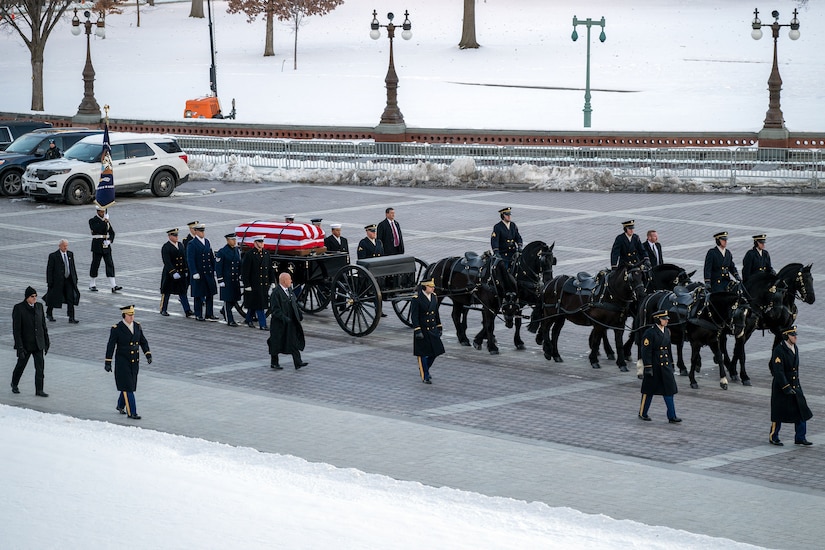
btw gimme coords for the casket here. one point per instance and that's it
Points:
(299, 239)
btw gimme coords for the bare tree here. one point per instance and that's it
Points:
(295, 11)
(468, 26)
(196, 9)
(34, 21)
(254, 8)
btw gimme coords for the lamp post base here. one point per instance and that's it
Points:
(390, 132)
(91, 118)
(774, 138)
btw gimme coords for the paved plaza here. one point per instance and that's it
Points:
(512, 425)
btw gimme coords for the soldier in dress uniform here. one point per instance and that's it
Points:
(335, 242)
(102, 237)
(370, 246)
(228, 270)
(788, 403)
(126, 339)
(201, 262)
(426, 324)
(757, 259)
(505, 239)
(719, 265)
(191, 235)
(257, 274)
(627, 248)
(289, 218)
(175, 276)
(658, 363)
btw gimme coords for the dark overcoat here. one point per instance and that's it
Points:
(384, 234)
(655, 257)
(333, 245)
(754, 262)
(426, 320)
(368, 250)
(201, 260)
(228, 270)
(102, 230)
(785, 369)
(505, 241)
(174, 261)
(126, 348)
(256, 272)
(286, 334)
(29, 327)
(656, 353)
(719, 268)
(627, 251)
(57, 281)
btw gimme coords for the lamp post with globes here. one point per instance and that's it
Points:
(392, 121)
(575, 36)
(89, 110)
(774, 133)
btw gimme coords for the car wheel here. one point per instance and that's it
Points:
(163, 184)
(12, 183)
(78, 192)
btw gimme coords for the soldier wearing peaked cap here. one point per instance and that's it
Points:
(370, 246)
(175, 276)
(788, 403)
(505, 240)
(257, 274)
(720, 268)
(103, 234)
(191, 225)
(201, 262)
(757, 259)
(657, 359)
(426, 324)
(627, 248)
(228, 270)
(126, 340)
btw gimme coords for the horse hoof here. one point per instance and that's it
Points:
(694, 385)
(683, 372)
(493, 352)
(746, 383)
(611, 356)
(477, 346)
(698, 369)
(558, 359)
(623, 368)
(595, 365)
(520, 346)
(723, 386)
(548, 356)
(464, 343)
(734, 378)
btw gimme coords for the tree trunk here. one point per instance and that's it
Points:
(37, 48)
(196, 9)
(468, 27)
(269, 46)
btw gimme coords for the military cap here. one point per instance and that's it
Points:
(661, 314)
(316, 220)
(335, 226)
(128, 310)
(172, 231)
(99, 208)
(430, 282)
(505, 211)
(790, 331)
(629, 224)
(230, 236)
(289, 217)
(259, 238)
(721, 235)
(371, 227)
(760, 238)
(193, 224)
(200, 227)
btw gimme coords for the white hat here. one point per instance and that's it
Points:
(260, 238)
(335, 225)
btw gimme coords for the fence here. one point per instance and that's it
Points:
(799, 168)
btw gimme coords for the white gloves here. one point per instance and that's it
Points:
(107, 242)
(176, 276)
(248, 289)
(221, 285)
(196, 276)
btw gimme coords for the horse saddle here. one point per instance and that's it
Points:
(582, 283)
(472, 260)
(684, 297)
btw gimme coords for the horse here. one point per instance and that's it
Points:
(602, 302)
(532, 268)
(476, 282)
(773, 302)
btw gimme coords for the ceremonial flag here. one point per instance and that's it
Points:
(105, 195)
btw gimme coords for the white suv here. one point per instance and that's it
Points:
(139, 161)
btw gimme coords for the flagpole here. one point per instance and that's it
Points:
(105, 194)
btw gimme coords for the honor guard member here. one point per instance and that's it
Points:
(201, 262)
(505, 239)
(370, 246)
(317, 223)
(426, 324)
(289, 218)
(102, 237)
(228, 270)
(335, 242)
(719, 266)
(175, 276)
(627, 248)
(658, 376)
(257, 275)
(126, 339)
(788, 403)
(757, 259)
(389, 233)
(191, 235)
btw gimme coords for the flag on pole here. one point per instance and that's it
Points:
(105, 195)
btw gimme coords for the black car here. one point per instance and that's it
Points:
(13, 129)
(32, 148)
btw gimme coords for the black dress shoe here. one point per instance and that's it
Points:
(189, 314)
(15, 389)
(427, 381)
(50, 318)
(165, 313)
(116, 289)
(301, 364)
(93, 288)
(213, 318)
(674, 420)
(645, 417)
(264, 328)
(250, 324)
(41, 393)
(73, 321)
(232, 324)
(134, 416)
(776, 442)
(803, 442)
(121, 411)
(276, 366)
(199, 319)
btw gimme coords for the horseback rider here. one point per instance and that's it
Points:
(757, 259)
(719, 265)
(505, 239)
(627, 248)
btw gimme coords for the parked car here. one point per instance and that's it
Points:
(10, 130)
(139, 161)
(30, 148)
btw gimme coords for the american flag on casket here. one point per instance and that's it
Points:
(281, 236)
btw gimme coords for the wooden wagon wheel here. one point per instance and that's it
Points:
(356, 300)
(314, 296)
(402, 306)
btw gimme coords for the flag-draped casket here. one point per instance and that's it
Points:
(282, 237)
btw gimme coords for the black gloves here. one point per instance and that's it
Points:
(108, 366)
(46, 351)
(789, 390)
(149, 358)
(419, 335)
(648, 370)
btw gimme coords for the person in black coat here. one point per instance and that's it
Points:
(61, 278)
(228, 270)
(627, 248)
(201, 262)
(53, 152)
(175, 276)
(103, 235)
(788, 403)
(653, 248)
(389, 233)
(719, 265)
(335, 242)
(257, 274)
(126, 339)
(286, 335)
(31, 338)
(658, 376)
(757, 259)
(505, 240)
(426, 324)
(187, 239)
(370, 246)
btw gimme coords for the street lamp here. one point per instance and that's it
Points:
(392, 121)
(89, 110)
(575, 36)
(774, 126)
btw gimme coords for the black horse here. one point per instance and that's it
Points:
(476, 282)
(773, 302)
(532, 268)
(602, 302)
